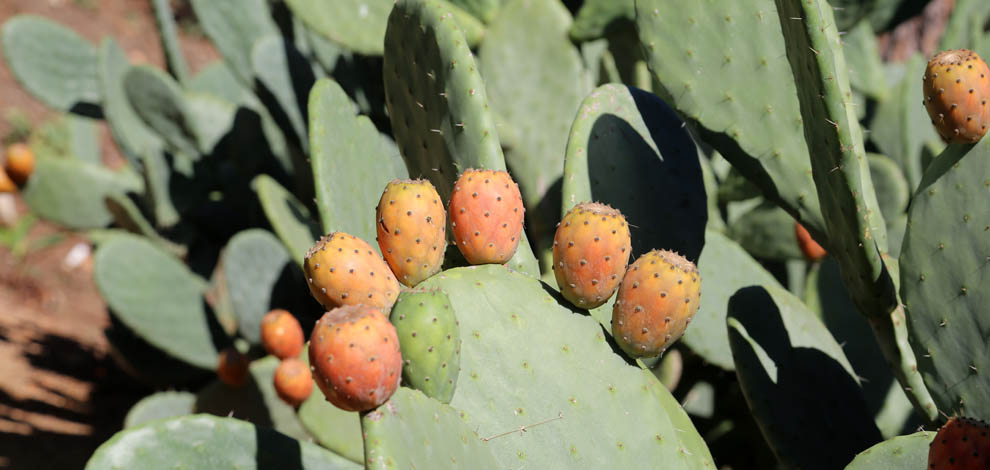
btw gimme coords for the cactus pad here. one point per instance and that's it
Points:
(289, 218)
(234, 26)
(430, 341)
(910, 451)
(160, 405)
(253, 262)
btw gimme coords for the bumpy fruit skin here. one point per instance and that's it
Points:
(809, 247)
(590, 252)
(658, 297)
(293, 382)
(961, 444)
(412, 229)
(342, 269)
(430, 341)
(354, 356)
(956, 93)
(7, 185)
(486, 214)
(281, 334)
(232, 367)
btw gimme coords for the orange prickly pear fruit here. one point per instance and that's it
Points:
(342, 269)
(956, 89)
(590, 251)
(961, 444)
(355, 358)
(19, 163)
(281, 334)
(486, 213)
(811, 249)
(232, 367)
(7, 185)
(658, 297)
(293, 381)
(412, 230)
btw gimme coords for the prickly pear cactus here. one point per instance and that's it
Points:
(430, 341)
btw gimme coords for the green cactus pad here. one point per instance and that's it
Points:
(131, 134)
(160, 103)
(753, 119)
(234, 26)
(412, 430)
(332, 427)
(128, 216)
(595, 18)
(203, 441)
(437, 103)
(527, 43)
(901, 452)
(764, 230)
(890, 184)
(158, 177)
(707, 335)
(482, 9)
(287, 75)
(899, 128)
(583, 384)
(865, 64)
(356, 25)
(160, 405)
(52, 62)
(628, 149)
(211, 119)
(157, 297)
(965, 26)
(793, 373)
(256, 401)
(351, 162)
(71, 192)
(430, 340)
(289, 218)
(253, 261)
(165, 19)
(944, 274)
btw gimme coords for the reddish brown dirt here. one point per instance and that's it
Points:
(61, 395)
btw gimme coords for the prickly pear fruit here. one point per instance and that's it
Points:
(657, 298)
(7, 185)
(342, 269)
(486, 213)
(354, 356)
(412, 229)
(232, 367)
(430, 341)
(956, 89)
(281, 334)
(811, 249)
(590, 252)
(293, 381)
(961, 444)
(19, 163)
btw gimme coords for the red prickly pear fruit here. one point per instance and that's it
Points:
(811, 249)
(956, 89)
(281, 334)
(590, 252)
(232, 367)
(293, 381)
(19, 163)
(355, 358)
(486, 213)
(960, 444)
(342, 269)
(657, 299)
(412, 229)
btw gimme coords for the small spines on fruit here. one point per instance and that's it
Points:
(281, 334)
(342, 269)
(412, 229)
(960, 444)
(232, 367)
(19, 163)
(809, 247)
(590, 252)
(956, 88)
(430, 341)
(658, 296)
(293, 381)
(354, 357)
(486, 214)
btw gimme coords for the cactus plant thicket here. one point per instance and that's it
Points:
(728, 135)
